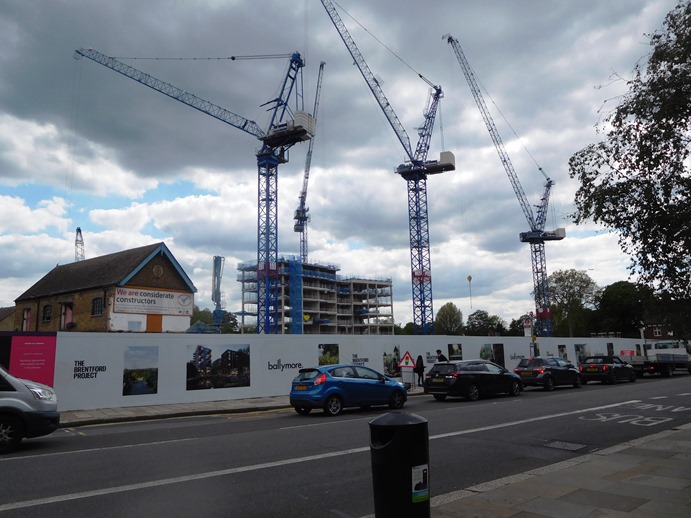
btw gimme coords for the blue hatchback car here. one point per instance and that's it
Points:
(335, 387)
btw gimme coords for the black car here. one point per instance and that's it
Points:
(548, 373)
(607, 369)
(470, 379)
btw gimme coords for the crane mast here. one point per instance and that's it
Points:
(302, 212)
(78, 245)
(216, 295)
(415, 173)
(537, 234)
(287, 127)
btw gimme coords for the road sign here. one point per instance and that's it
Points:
(407, 361)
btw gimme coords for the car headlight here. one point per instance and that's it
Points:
(42, 394)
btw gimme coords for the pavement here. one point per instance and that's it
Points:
(649, 477)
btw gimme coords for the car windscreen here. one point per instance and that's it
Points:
(306, 375)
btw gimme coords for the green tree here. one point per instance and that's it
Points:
(572, 292)
(229, 323)
(202, 315)
(481, 323)
(516, 326)
(407, 329)
(449, 320)
(637, 180)
(622, 308)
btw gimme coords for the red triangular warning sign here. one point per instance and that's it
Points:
(407, 361)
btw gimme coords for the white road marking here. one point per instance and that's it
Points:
(90, 450)
(243, 469)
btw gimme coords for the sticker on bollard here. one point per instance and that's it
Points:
(399, 446)
(420, 485)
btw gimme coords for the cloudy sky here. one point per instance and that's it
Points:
(82, 146)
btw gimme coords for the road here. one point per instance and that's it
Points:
(279, 464)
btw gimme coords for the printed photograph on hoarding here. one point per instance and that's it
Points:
(562, 352)
(140, 375)
(455, 352)
(391, 361)
(219, 366)
(582, 352)
(328, 354)
(486, 353)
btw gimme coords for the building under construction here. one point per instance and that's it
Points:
(314, 299)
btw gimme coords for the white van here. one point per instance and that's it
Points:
(27, 409)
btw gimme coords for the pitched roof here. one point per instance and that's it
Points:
(107, 270)
(5, 312)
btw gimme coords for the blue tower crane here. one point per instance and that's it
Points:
(287, 126)
(216, 295)
(414, 171)
(302, 216)
(537, 234)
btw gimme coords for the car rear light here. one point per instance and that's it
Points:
(539, 371)
(456, 374)
(580, 368)
(321, 379)
(605, 368)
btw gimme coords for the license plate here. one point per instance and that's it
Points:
(300, 387)
(526, 373)
(592, 369)
(437, 380)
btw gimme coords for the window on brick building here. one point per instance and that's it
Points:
(97, 307)
(657, 331)
(47, 313)
(26, 319)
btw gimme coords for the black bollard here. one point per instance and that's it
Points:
(399, 444)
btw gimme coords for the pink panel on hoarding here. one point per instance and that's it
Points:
(33, 358)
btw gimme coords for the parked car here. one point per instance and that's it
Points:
(548, 373)
(335, 387)
(470, 379)
(607, 369)
(27, 409)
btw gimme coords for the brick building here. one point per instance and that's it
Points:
(7, 319)
(139, 290)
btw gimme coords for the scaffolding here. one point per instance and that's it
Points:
(314, 299)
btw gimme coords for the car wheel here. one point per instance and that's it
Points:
(578, 383)
(439, 397)
(549, 384)
(632, 377)
(302, 410)
(397, 400)
(612, 380)
(11, 433)
(333, 405)
(515, 389)
(473, 393)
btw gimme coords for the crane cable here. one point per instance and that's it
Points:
(399, 58)
(539, 167)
